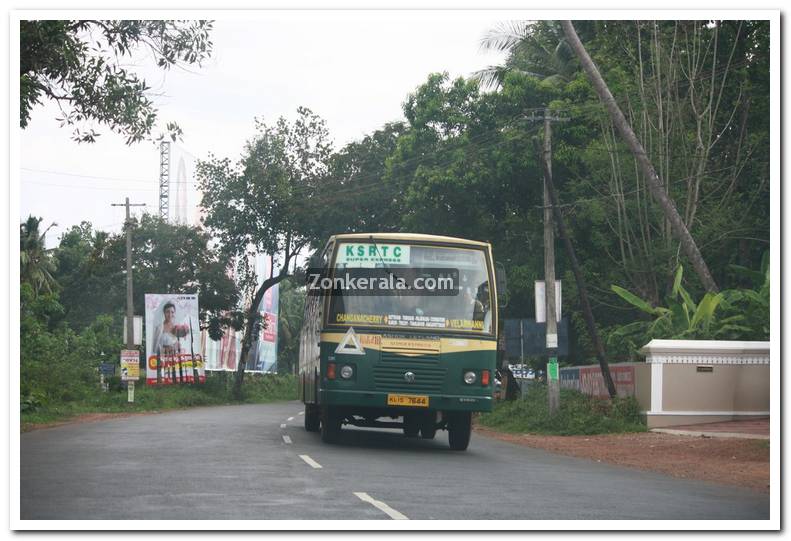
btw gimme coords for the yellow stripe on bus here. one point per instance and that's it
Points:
(419, 345)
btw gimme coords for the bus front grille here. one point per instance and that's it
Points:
(390, 377)
(412, 357)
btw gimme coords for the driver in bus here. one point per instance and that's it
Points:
(484, 300)
(472, 305)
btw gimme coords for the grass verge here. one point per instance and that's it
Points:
(258, 388)
(579, 415)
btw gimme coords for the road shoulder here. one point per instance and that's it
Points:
(83, 418)
(729, 461)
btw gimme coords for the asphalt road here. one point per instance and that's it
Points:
(257, 462)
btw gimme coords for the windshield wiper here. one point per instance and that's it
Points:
(385, 266)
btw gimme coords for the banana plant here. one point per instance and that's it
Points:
(730, 314)
(751, 304)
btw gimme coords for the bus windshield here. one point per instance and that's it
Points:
(468, 309)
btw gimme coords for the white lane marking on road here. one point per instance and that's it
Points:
(382, 506)
(290, 419)
(312, 463)
(283, 425)
(286, 439)
(301, 413)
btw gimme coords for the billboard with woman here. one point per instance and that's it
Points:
(173, 353)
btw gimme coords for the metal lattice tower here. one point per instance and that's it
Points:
(180, 207)
(164, 179)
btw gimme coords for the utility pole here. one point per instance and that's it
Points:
(582, 290)
(552, 203)
(130, 312)
(553, 382)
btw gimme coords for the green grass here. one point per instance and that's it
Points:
(258, 388)
(762, 444)
(579, 414)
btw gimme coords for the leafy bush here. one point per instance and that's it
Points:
(578, 414)
(733, 314)
(258, 388)
(56, 364)
(31, 401)
(270, 387)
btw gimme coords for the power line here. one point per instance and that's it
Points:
(358, 186)
(72, 186)
(472, 141)
(68, 174)
(638, 190)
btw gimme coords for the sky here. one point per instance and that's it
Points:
(354, 69)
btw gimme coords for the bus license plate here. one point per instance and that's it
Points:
(407, 400)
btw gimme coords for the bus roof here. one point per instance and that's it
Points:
(407, 237)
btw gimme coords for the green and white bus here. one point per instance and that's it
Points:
(417, 363)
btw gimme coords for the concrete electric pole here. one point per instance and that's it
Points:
(552, 204)
(130, 311)
(549, 275)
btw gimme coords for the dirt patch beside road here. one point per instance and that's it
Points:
(739, 462)
(82, 418)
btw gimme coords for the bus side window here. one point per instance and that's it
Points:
(325, 257)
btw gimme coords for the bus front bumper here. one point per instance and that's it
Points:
(379, 400)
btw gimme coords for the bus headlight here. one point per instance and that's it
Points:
(469, 377)
(347, 371)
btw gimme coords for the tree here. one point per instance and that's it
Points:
(356, 175)
(696, 93)
(536, 48)
(289, 322)
(267, 203)
(732, 314)
(655, 184)
(57, 365)
(167, 258)
(36, 262)
(690, 90)
(79, 65)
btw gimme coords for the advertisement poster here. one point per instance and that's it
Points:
(130, 365)
(591, 381)
(221, 354)
(173, 353)
(224, 354)
(263, 354)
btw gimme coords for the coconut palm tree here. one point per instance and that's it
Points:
(655, 184)
(536, 48)
(36, 262)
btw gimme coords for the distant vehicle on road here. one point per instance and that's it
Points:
(522, 371)
(400, 358)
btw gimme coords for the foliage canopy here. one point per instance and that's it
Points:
(80, 66)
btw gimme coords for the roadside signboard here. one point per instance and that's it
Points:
(130, 365)
(173, 339)
(525, 337)
(552, 369)
(541, 303)
(137, 330)
(107, 369)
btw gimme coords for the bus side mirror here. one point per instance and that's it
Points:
(315, 261)
(502, 285)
